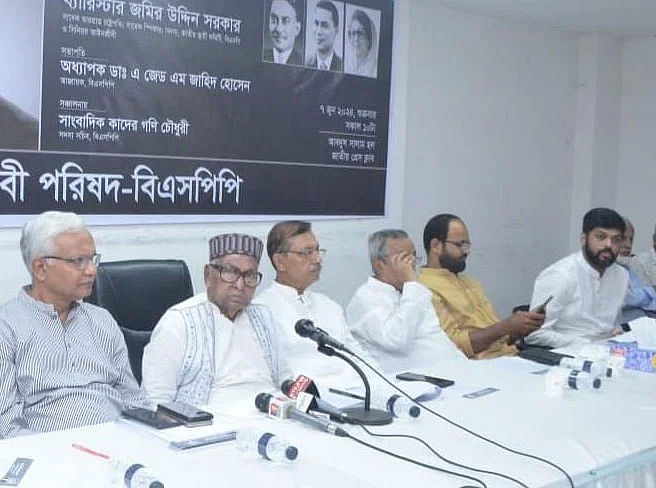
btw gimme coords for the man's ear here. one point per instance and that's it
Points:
(206, 274)
(38, 269)
(435, 246)
(583, 239)
(278, 262)
(377, 266)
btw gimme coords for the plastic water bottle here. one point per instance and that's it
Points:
(399, 406)
(558, 379)
(598, 367)
(132, 475)
(267, 445)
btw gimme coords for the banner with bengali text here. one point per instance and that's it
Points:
(211, 108)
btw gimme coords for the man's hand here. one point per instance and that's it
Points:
(521, 324)
(403, 265)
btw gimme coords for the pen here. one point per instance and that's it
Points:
(82, 448)
(345, 393)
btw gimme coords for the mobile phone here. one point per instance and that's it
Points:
(441, 382)
(543, 308)
(185, 413)
(154, 419)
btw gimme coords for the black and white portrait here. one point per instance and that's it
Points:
(324, 38)
(362, 38)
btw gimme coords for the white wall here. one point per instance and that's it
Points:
(636, 172)
(491, 122)
(346, 265)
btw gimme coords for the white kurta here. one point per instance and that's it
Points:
(585, 307)
(240, 369)
(400, 330)
(301, 353)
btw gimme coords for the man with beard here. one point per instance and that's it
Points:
(465, 312)
(588, 287)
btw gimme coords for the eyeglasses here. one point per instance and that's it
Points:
(464, 246)
(80, 262)
(230, 274)
(308, 253)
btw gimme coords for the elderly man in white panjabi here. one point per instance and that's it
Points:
(296, 257)
(392, 315)
(216, 347)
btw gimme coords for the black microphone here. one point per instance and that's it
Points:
(304, 385)
(306, 328)
(282, 409)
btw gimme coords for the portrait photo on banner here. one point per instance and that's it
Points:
(283, 34)
(20, 73)
(324, 37)
(362, 27)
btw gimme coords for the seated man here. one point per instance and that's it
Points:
(464, 310)
(639, 297)
(391, 314)
(63, 362)
(296, 257)
(644, 264)
(588, 287)
(216, 347)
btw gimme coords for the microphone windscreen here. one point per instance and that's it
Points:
(286, 386)
(262, 401)
(304, 327)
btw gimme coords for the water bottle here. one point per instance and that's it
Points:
(268, 445)
(598, 367)
(559, 379)
(132, 475)
(399, 406)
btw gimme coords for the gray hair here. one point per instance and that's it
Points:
(38, 235)
(378, 242)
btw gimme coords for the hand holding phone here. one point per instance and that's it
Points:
(543, 308)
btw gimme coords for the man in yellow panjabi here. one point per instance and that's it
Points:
(464, 310)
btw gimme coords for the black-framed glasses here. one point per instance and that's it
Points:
(230, 274)
(81, 262)
(462, 245)
(308, 252)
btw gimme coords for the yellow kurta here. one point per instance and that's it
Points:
(462, 306)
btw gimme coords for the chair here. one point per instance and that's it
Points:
(137, 293)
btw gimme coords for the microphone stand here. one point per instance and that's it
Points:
(359, 415)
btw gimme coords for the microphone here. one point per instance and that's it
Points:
(305, 393)
(306, 328)
(283, 408)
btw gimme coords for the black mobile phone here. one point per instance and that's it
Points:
(155, 419)
(187, 414)
(441, 382)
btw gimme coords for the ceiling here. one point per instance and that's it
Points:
(618, 18)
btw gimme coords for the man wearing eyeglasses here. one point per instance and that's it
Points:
(63, 362)
(465, 312)
(391, 314)
(588, 287)
(297, 258)
(217, 348)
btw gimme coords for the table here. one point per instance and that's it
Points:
(605, 438)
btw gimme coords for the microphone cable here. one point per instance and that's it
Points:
(469, 431)
(439, 456)
(414, 461)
